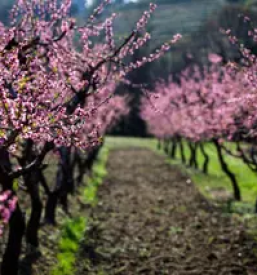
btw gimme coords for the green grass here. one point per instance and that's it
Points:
(98, 173)
(206, 183)
(217, 179)
(72, 233)
(74, 229)
(119, 142)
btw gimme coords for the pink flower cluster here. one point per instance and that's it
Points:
(46, 83)
(7, 206)
(106, 110)
(211, 103)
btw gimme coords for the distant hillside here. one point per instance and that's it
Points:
(177, 16)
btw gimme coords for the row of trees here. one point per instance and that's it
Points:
(192, 49)
(215, 103)
(57, 83)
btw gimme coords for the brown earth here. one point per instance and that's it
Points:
(151, 219)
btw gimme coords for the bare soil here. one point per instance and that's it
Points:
(151, 219)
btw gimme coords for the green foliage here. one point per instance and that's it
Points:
(98, 174)
(174, 230)
(72, 230)
(90, 193)
(72, 233)
(15, 185)
(99, 169)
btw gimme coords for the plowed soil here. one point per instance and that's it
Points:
(150, 219)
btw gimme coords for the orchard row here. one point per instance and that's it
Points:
(215, 103)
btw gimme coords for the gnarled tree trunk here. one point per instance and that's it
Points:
(206, 159)
(173, 148)
(64, 186)
(166, 146)
(35, 216)
(31, 181)
(193, 157)
(182, 151)
(228, 172)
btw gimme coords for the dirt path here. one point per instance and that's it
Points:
(150, 219)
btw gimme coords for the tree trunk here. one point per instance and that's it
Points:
(91, 157)
(206, 159)
(193, 157)
(166, 146)
(196, 160)
(227, 171)
(51, 204)
(173, 148)
(64, 186)
(52, 200)
(31, 181)
(81, 170)
(35, 216)
(182, 151)
(10, 263)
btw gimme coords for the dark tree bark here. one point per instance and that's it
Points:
(85, 163)
(166, 146)
(31, 181)
(80, 161)
(173, 150)
(91, 157)
(228, 172)
(10, 263)
(64, 186)
(206, 159)
(51, 205)
(182, 151)
(193, 157)
(35, 216)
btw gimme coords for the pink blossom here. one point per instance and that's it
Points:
(214, 58)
